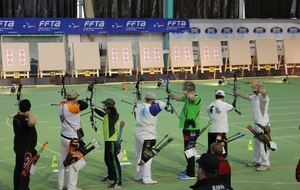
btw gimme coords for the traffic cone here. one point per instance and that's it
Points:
(54, 162)
(124, 158)
(250, 147)
(126, 87)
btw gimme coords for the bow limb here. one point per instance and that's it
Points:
(138, 95)
(235, 96)
(168, 91)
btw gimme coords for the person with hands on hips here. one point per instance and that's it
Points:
(189, 122)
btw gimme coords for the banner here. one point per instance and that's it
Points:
(91, 25)
(238, 30)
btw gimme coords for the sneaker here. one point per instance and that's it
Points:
(62, 188)
(149, 182)
(262, 168)
(253, 164)
(106, 180)
(114, 186)
(185, 177)
(182, 173)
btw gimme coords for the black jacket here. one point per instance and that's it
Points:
(210, 183)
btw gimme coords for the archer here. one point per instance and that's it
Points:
(260, 104)
(189, 123)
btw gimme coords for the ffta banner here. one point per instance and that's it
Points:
(91, 25)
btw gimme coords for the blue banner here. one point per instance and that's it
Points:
(91, 26)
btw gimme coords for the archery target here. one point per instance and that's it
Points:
(177, 54)
(181, 54)
(125, 55)
(206, 53)
(216, 53)
(210, 53)
(114, 55)
(9, 57)
(22, 57)
(187, 53)
(119, 55)
(150, 55)
(156, 55)
(15, 57)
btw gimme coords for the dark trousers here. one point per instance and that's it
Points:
(112, 162)
(190, 138)
(20, 182)
(220, 138)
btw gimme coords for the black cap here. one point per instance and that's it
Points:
(209, 162)
(109, 102)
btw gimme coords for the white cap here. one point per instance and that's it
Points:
(220, 93)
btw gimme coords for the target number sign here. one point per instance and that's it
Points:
(16, 75)
(87, 73)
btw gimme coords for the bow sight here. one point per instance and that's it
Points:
(90, 87)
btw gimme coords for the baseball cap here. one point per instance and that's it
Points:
(109, 102)
(72, 94)
(209, 162)
(150, 96)
(220, 93)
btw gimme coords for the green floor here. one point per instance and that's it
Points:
(284, 114)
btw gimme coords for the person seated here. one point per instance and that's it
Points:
(208, 174)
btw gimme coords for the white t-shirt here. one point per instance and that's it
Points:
(260, 106)
(217, 113)
(71, 114)
(146, 119)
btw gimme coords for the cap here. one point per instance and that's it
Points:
(220, 92)
(72, 94)
(209, 162)
(109, 102)
(150, 96)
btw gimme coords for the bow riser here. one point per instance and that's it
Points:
(235, 87)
